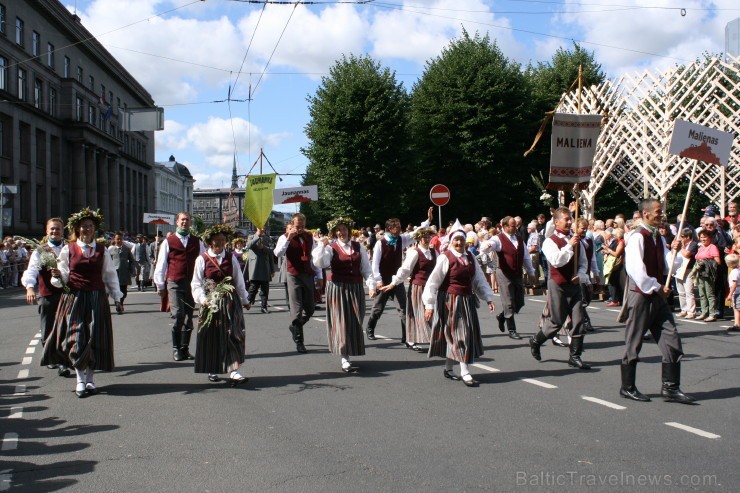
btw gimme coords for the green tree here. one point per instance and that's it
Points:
(358, 143)
(470, 119)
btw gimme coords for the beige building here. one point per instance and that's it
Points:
(61, 143)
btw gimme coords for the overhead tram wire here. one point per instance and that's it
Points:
(295, 6)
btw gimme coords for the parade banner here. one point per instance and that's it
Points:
(701, 143)
(309, 193)
(573, 147)
(231, 211)
(258, 198)
(150, 218)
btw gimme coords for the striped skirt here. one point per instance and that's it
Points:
(345, 310)
(417, 329)
(220, 345)
(455, 328)
(82, 335)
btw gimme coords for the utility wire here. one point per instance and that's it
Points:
(295, 6)
(249, 46)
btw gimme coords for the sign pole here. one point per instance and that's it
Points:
(680, 225)
(440, 217)
(2, 204)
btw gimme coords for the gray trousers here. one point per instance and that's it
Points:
(564, 299)
(47, 313)
(512, 293)
(181, 304)
(300, 298)
(399, 297)
(651, 313)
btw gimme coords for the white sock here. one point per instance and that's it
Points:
(89, 376)
(448, 364)
(80, 379)
(235, 375)
(464, 371)
(346, 363)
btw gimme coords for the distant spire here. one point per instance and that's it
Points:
(234, 179)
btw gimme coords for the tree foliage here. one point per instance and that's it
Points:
(358, 143)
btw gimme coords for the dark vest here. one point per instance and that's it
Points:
(589, 247)
(562, 275)
(181, 260)
(424, 267)
(345, 268)
(510, 259)
(391, 259)
(459, 279)
(296, 251)
(140, 254)
(86, 274)
(653, 256)
(212, 270)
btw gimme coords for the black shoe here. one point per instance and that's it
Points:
(81, 393)
(633, 394)
(674, 394)
(54, 367)
(91, 390)
(501, 322)
(576, 362)
(300, 348)
(214, 378)
(177, 355)
(534, 348)
(237, 381)
(186, 354)
(557, 342)
(264, 310)
(514, 335)
(470, 383)
(63, 371)
(450, 375)
(350, 369)
(671, 389)
(370, 333)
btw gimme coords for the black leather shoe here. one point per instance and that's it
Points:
(350, 369)
(63, 371)
(501, 322)
(214, 378)
(91, 390)
(633, 394)
(450, 375)
(177, 355)
(237, 381)
(674, 394)
(514, 335)
(81, 393)
(300, 348)
(186, 354)
(264, 310)
(370, 333)
(557, 342)
(534, 348)
(576, 362)
(470, 383)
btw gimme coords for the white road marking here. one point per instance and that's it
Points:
(695, 431)
(26, 360)
(613, 310)
(30, 350)
(485, 367)
(22, 374)
(279, 308)
(10, 441)
(537, 301)
(593, 308)
(693, 321)
(603, 402)
(319, 319)
(38, 335)
(6, 476)
(34, 342)
(384, 338)
(20, 389)
(16, 413)
(539, 383)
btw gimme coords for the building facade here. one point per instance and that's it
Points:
(732, 38)
(61, 143)
(173, 189)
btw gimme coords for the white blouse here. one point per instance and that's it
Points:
(110, 276)
(321, 256)
(480, 286)
(199, 279)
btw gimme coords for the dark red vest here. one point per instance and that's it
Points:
(589, 247)
(459, 279)
(424, 267)
(296, 251)
(46, 288)
(653, 256)
(391, 259)
(217, 272)
(562, 275)
(181, 260)
(510, 259)
(86, 274)
(345, 268)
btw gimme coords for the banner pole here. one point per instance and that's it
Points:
(680, 225)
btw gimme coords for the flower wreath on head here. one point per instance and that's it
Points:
(236, 240)
(216, 229)
(334, 223)
(86, 213)
(421, 232)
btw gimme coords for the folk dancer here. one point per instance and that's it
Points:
(592, 271)
(124, 263)
(141, 256)
(261, 267)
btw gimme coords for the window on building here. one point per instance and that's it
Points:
(52, 101)
(67, 66)
(50, 55)
(25, 142)
(92, 82)
(18, 31)
(3, 13)
(3, 74)
(22, 84)
(37, 93)
(79, 74)
(91, 114)
(24, 199)
(35, 43)
(78, 109)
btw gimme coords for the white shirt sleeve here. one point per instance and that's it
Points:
(160, 270)
(282, 246)
(633, 262)
(366, 270)
(377, 252)
(557, 257)
(493, 244)
(31, 274)
(412, 256)
(429, 295)
(238, 280)
(196, 285)
(528, 263)
(110, 277)
(321, 256)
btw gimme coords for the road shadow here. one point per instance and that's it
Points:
(716, 394)
(125, 371)
(27, 476)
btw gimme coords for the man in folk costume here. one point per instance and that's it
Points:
(563, 288)
(296, 245)
(141, 255)
(417, 266)
(38, 274)
(123, 261)
(173, 275)
(261, 266)
(646, 308)
(509, 248)
(387, 259)
(592, 271)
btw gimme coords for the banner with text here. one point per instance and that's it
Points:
(152, 218)
(702, 143)
(309, 193)
(572, 150)
(258, 198)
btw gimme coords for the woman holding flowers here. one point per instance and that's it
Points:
(220, 340)
(82, 336)
(345, 296)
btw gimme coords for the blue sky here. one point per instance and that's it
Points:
(188, 53)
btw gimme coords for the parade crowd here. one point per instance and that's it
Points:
(639, 264)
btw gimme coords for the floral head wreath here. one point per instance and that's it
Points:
(334, 223)
(238, 240)
(215, 230)
(86, 213)
(419, 233)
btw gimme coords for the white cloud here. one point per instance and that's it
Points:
(171, 138)
(215, 139)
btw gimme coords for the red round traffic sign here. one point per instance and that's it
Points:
(439, 195)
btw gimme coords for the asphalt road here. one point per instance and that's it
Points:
(300, 424)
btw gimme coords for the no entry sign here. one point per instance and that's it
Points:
(439, 195)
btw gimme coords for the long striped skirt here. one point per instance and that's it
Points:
(345, 310)
(220, 344)
(82, 335)
(417, 329)
(455, 328)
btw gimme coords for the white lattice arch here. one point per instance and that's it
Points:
(640, 111)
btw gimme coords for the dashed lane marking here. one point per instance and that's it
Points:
(319, 319)
(485, 367)
(20, 389)
(10, 441)
(384, 338)
(539, 383)
(613, 310)
(603, 402)
(26, 360)
(695, 431)
(593, 308)
(30, 350)
(34, 342)
(693, 322)
(22, 374)
(16, 413)
(537, 301)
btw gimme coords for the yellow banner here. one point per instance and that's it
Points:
(258, 198)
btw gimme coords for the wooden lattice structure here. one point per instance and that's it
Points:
(640, 111)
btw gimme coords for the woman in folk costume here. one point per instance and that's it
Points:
(345, 296)
(418, 265)
(450, 304)
(220, 340)
(82, 337)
